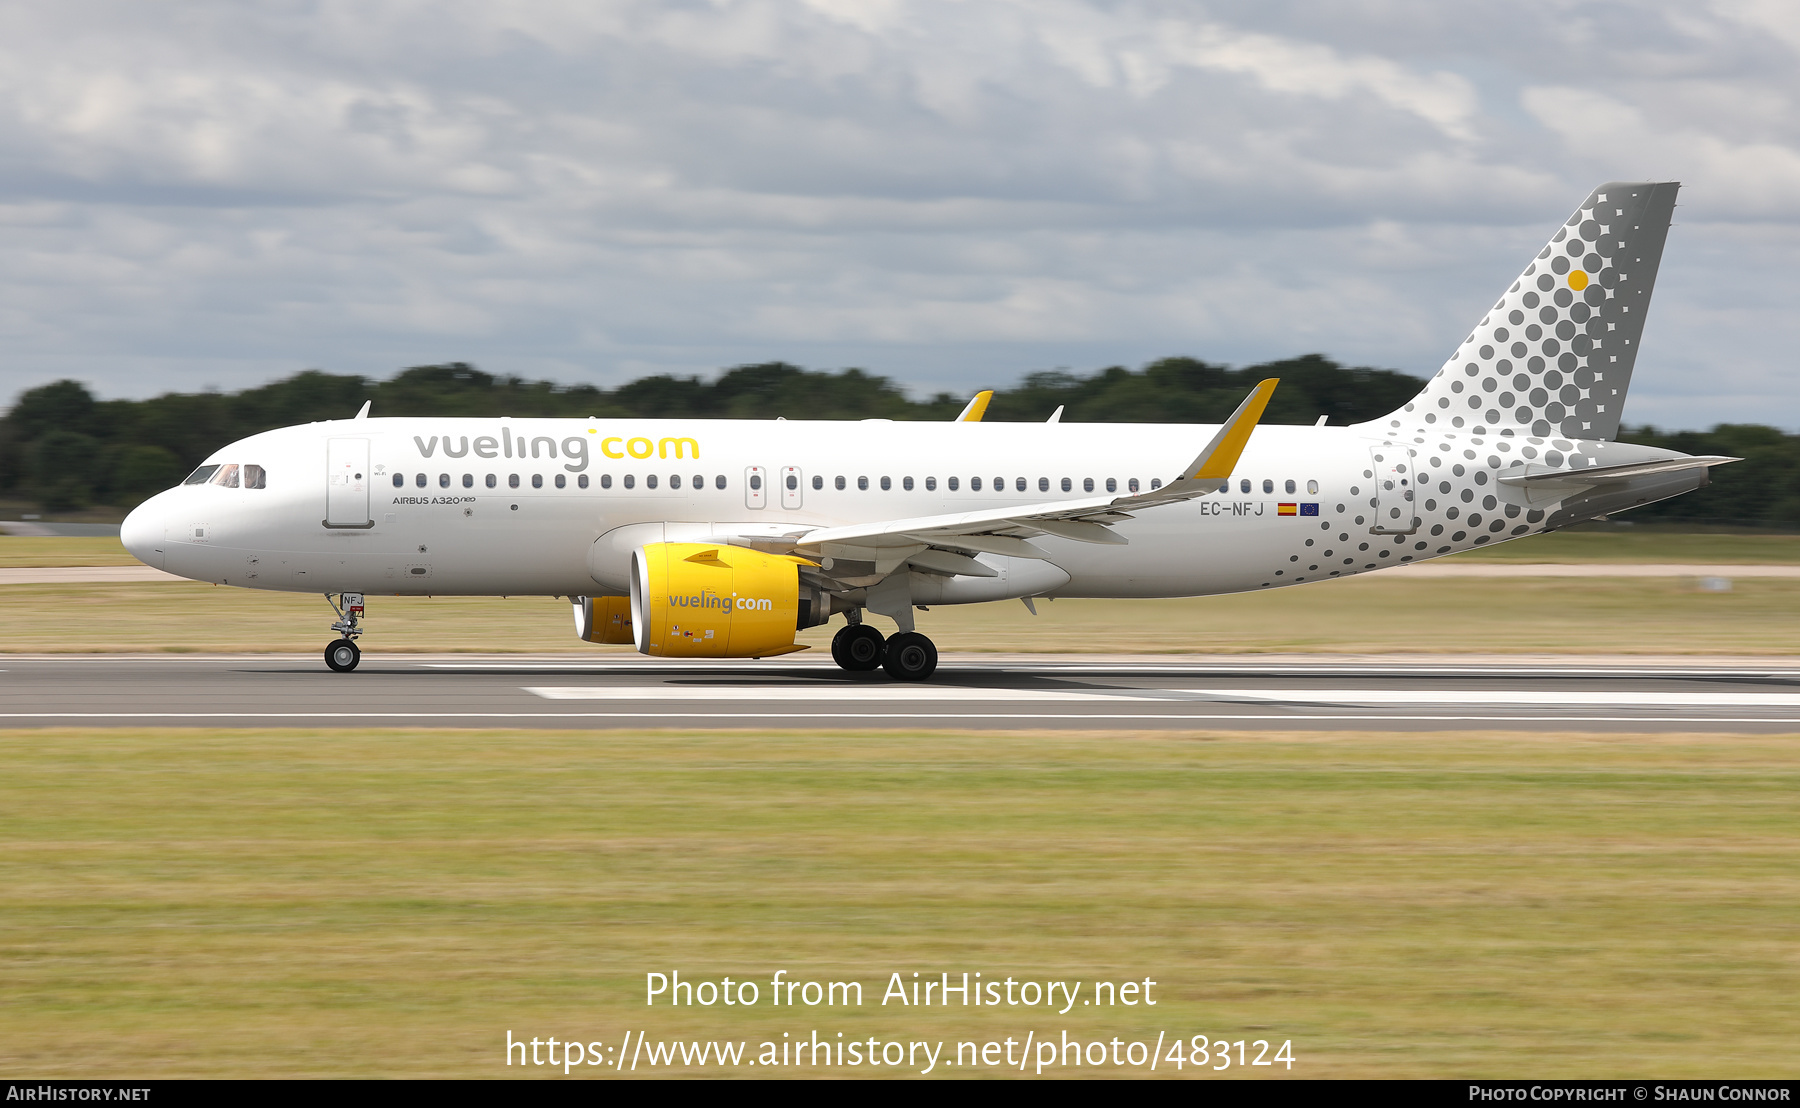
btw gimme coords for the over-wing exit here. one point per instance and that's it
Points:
(726, 538)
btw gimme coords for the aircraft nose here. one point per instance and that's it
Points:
(142, 533)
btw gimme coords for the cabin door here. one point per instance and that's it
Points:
(791, 494)
(755, 495)
(1395, 481)
(347, 483)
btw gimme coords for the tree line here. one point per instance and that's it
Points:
(62, 448)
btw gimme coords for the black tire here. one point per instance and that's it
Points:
(342, 655)
(910, 657)
(858, 649)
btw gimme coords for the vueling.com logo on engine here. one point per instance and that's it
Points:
(733, 603)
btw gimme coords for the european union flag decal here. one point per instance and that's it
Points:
(1309, 509)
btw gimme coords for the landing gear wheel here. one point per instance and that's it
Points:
(858, 648)
(910, 657)
(342, 655)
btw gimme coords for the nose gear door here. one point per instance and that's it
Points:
(347, 483)
(1394, 488)
(790, 486)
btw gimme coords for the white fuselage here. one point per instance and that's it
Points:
(437, 510)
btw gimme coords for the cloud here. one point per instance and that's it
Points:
(211, 194)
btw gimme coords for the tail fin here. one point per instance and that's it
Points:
(1555, 354)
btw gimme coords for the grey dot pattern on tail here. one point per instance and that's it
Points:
(1554, 356)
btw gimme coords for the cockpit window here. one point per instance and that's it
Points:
(255, 477)
(227, 476)
(201, 476)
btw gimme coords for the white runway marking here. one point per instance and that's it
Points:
(652, 718)
(1498, 698)
(810, 693)
(1382, 698)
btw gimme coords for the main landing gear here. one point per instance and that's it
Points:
(908, 656)
(343, 654)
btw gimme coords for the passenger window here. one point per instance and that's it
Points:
(537, 480)
(755, 481)
(719, 481)
(840, 484)
(491, 482)
(227, 477)
(1132, 484)
(793, 482)
(399, 480)
(1244, 485)
(606, 480)
(931, 484)
(582, 480)
(862, 483)
(468, 480)
(1290, 485)
(201, 476)
(443, 480)
(674, 480)
(906, 483)
(1044, 484)
(650, 481)
(974, 484)
(562, 482)
(1112, 484)
(254, 477)
(1067, 485)
(818, 482)
(1018, 483)
(631, 480)
(1087, 484)
(953, 483)
(419, 480)
(1000, 484)
(1268, 485)
(512, 480)
(1156, 482)
(1312, 488)
(887, 484)
(699, 481)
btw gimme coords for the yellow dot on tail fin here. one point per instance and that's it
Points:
(1578, 280)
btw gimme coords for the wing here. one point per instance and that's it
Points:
(976, 408)
(946, 543)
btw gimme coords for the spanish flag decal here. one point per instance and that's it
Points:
(1287, 510)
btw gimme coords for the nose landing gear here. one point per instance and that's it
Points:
(343, 654)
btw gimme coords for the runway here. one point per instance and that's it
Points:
(1011, 692)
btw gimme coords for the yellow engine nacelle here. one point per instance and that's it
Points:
(603, 619)
(706, 600)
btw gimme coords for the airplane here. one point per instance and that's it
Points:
(693, 538)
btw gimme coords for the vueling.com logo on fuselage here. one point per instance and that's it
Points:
(574, 448)
(714, 601)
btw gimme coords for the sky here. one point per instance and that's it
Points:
(950, 194)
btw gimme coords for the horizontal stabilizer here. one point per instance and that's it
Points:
(1595, 475)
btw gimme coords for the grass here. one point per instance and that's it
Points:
(1609, 545)
(22, 552)
(392, 903)
(1365, 615)
(1644, 545)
